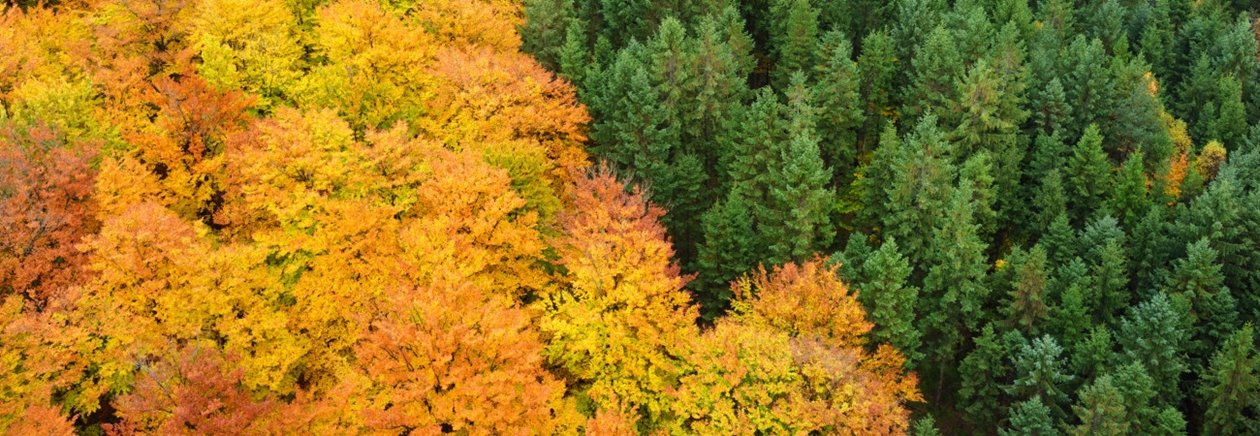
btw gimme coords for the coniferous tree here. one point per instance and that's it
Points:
(1028, 307)
(1040, 374)
(1029, 418)
(980, 373)
(892, 301)
(838, 97)
(877, 66)
(1153, 335)
(798, 222)
(1230, 124)
(1088, 176)
(1230, 388)
(937, 66)
(1089, 84)
(1101, 410)
(1128, 200)
(794, 35)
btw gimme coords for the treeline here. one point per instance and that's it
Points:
(239, 217)
(1050, 207)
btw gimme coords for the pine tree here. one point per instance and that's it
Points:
(1230, 388)
(1128, 199)
(1230, 124)
(936, 68)
(573, 61)
(1029, 418)
(877, 66)
(892, 300)
(1088, 176)
(798, 222)
(1153, 335)
(1027, 309)
(838, 95)
(1101, 410)
(1110, 276)
(1040, 374)
(1049, 201)
(794, 36)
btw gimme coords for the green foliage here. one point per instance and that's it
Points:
(1230, 388)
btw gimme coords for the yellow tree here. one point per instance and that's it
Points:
(619, 328)
(829, 347)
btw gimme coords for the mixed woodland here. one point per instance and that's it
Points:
(1000, 217)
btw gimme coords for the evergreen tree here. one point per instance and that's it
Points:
(1040, 374)
(1088, 176)
(1101, 410)
(1156, 40)
(955, 289)
(1049, 201)
(794, 36)
(798, 223)
(1198, 279)
(877, 66)
(918, 190)
(546, 29)
(936, 68)
(1089, 86)
(1073, 315)
(838, 96)
(1128, 199)
(1110, 276)
(1029, 418)
(1028, 309)
(1153, 335)
(1230, 124)
(891, 300)
(573, 61)
(980, 394)
(1144, 415)
(729, 249)
(1230, 388)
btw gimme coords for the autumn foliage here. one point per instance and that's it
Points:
(227, 217)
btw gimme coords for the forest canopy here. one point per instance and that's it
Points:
(629, 217)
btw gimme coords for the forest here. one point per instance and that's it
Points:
(621, 217)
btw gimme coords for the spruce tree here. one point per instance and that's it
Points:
(838, 96)
(937, 67)
(794, 37)
(1230, 124)
(1040, 374)
(798, 221)
(1156, 40)
(1088, 176)
(1128, 200)
(1090, 85)
(1029, 418)
(1027, 308)
(1230, 388)
(1153, 335)
(988, 364)
(729, 249)
(1101, 410)
(892, 301)
(877, 66)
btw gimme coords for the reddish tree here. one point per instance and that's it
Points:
(46, 209)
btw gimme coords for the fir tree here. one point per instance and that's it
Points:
(1153, 335)
(838, 96)
(877, 66)
(1029, 418)
(1028, 308)
(1101, 410)
(1088, 176)
(794, 36)
(1040, 374)
(892, 300)
(937, 66)
(1230, 388)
